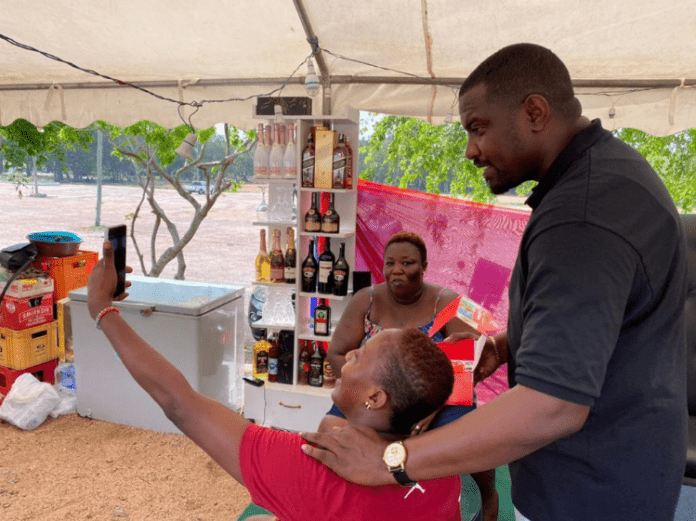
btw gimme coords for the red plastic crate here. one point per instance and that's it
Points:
(23, 313)
(68, 273)
(44, 372)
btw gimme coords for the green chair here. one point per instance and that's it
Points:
(470, 499)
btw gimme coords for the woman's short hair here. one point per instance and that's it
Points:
(516, 71)
(417, 376)
(413, 238)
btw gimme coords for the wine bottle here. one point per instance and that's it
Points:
(339, 165)
(263, 261)
(290, 273)
(349, 165)
(322, 318)
(310, 267)
(275, 160)
(330, 221)
(316, 363)
(277, 260)
(290, 157)
(326, 261)
(273, 357)
(303, 363)
(308, 157)
(261, 154)
(341, 271)
(312, 219)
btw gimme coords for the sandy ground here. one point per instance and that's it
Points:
(77, 468)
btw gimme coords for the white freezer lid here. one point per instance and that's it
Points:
(172, 296)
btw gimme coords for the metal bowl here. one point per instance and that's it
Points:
(56, 244)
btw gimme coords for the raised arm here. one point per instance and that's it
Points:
(211, 425)
(349, 332)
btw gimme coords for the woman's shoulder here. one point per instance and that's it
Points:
(444, 295)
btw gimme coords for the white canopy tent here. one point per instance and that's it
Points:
(404, 57)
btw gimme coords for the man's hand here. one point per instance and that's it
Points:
(494, 355)
(354, 453)
(102, 282)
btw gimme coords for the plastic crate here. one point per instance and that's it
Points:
(44, 372)
(68, 273)
(29, 347)
(23, 313)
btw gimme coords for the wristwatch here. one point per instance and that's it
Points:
(395, 457)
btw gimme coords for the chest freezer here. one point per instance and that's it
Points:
(197, 326)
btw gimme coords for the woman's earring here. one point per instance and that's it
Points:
(367, 404)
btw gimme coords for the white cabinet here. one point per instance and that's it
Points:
(292, 406)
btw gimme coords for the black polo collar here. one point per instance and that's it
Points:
(568, 156)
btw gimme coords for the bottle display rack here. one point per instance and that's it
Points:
(294, 406)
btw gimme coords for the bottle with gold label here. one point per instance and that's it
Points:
(263, 260)
(260, 360)
(330, 221)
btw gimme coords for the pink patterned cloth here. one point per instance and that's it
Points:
(471, 247)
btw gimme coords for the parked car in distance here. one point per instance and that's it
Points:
(197, 187)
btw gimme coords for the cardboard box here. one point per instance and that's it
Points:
(462, 354)
(325, 142)
(23, 313)
(27, 287)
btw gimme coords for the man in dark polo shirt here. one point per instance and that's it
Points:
(594, 424)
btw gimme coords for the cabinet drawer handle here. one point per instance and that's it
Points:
(289, 406)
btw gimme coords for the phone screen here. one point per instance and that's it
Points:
(117, 236)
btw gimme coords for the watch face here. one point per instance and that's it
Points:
(394, 455)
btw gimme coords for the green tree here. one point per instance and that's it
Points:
(23, 144)
(410, 153)
(152, 151)
(673, 158)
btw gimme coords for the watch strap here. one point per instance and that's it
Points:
(400, 475)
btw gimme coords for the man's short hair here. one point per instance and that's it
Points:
(410, 237)
(417, 376)
(516, 71)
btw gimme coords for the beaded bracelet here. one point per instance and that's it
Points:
(104, 312)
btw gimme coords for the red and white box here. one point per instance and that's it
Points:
(44, 372)
(464, 355)
(21, 288)
(25, 312)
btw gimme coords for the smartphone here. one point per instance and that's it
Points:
(117, 236)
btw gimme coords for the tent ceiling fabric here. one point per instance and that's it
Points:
(221, 49)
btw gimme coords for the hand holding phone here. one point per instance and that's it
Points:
(117, 236)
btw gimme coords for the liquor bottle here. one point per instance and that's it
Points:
(261, 154)
(322, 318)
(329, 375)
(341, 272)
(308, 156)
(312, 219)
(275, 160)
(316, 376)
(290, 273)
(263, 261)
(325, 280)
(349, 165)
(339, 164)
(290, 157)
(310, 268)
(273, 357)
(277, 260)
(303, 364)
(330, 221)
(260, 366)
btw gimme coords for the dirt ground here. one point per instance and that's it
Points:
(77, 468)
